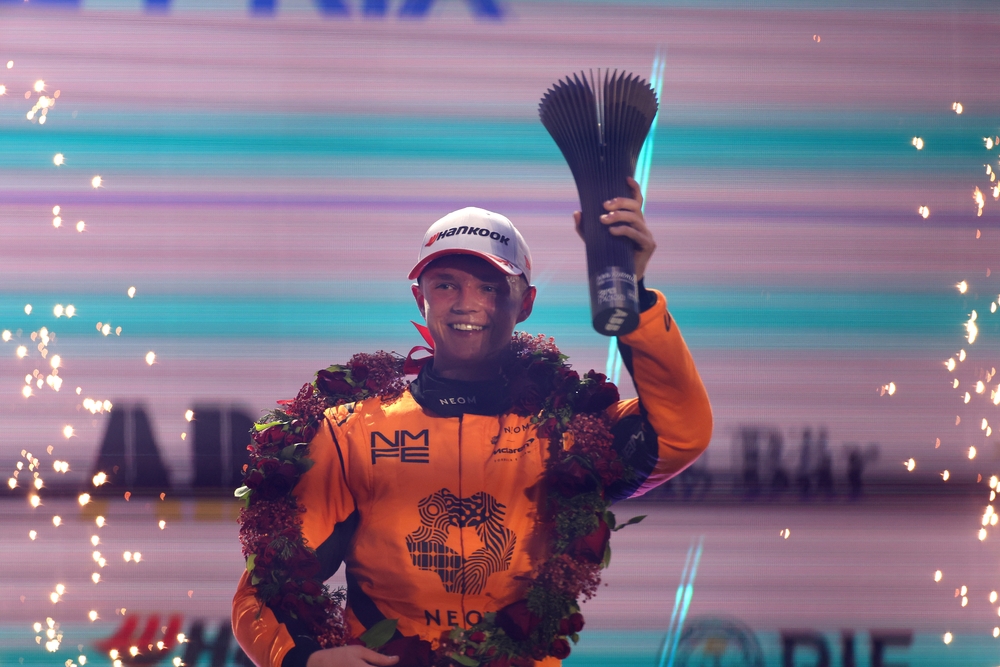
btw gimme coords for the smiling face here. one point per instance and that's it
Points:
(471, 309)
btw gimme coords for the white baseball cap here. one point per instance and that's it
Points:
(478, 232)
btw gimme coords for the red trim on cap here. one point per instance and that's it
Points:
(498, 262)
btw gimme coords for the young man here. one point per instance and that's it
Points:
(400, 515)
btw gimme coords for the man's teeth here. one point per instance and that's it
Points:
(467, 327)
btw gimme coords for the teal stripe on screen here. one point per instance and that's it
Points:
(723, 318)
(284, 144)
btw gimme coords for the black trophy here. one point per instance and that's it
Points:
(600, 127)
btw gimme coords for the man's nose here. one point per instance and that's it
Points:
(467, 302)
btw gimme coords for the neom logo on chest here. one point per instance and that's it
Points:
(458, 400)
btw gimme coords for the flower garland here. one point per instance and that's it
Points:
(569, 412)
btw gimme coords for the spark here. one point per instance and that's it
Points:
(67, 431)
(56, 209)
(968, 397)
(957, 108)
(945, 475)
(962, 287)
(34, 500)
(57, 222)
(982, 534)
(32, 534)
(996, 632)
(39, 86)
(57, 521)
(977, 195)
(784, 534)
(961, 355)
(131, 292)
(989, 142)
(924, 212)
(100, 521)
(127, 556)
(917, 143)
(137, 556)
(150, 357)
(6, 335)
(972, 452)
(95, 577)
(95, 540)
(58, 310)
(910, 465)
(96, 182)
(81, 226)
(93, 617)
(947, 638)
(38, 483)
(55, 361)
(965, 601)
(54, 597)
(163, 524)
(99, 478)
(954, 384)
(10, 64)
(12, 483)
(993, 597)
(83, 499)
(58, 160)
(937, 575)
(189, 415)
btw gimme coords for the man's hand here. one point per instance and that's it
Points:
(625, 215)
(350, 656)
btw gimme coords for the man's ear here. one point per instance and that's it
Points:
(419, 296)
(527, 303)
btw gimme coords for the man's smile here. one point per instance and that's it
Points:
(462, 326)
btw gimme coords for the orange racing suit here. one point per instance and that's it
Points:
(427, 500)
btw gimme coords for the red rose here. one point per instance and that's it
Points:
(270, 435)
(304, 564)
(499, 661)
(359, 373)
(334, 383)
(308, 433)
(310, 587)
(254, 479)
(570, 478)
(559, 649)
(288, 470)
(596, 395)
(576, 622)
(517, 620)
(412, 651)
(477, 636)
(564, 627)
(590, 548)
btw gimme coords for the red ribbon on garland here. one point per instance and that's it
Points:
(413, 366)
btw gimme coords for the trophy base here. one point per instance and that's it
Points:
(614, 302)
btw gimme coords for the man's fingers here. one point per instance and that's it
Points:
(636, 190)
(576, 221)
(374, 658)
(644, 241)
(623, 203)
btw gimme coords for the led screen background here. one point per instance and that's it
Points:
(268, 169)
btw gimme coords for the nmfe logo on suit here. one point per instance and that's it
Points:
(418, 451)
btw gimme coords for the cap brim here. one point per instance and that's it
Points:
(499, 262)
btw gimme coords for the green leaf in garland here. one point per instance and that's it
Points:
(380, 633)
(251, 559)
(264, 427)
(463, 660)
(575, 637)
(609, 518)
(633, 520)
(254, 580)
(607, 556)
